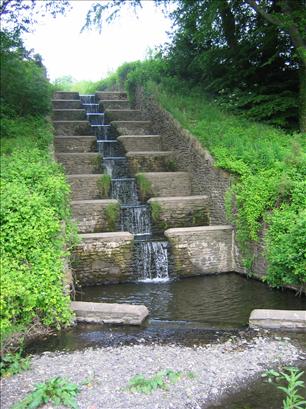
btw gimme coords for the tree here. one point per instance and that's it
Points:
(292, 19)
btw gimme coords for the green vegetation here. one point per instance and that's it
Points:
(160, 380)
(144, 186)
(58, 391)
(288, 381)
(104, 185)
(112, 212)
(155, 211)
(13, 363)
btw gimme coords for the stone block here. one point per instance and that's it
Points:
(111, 95)
(133, 127)
(165, 184)
(141, 143)
(123, 115)
(114, 104)
(104, 313)
(66, 104)
(71, 128)
(202, 250)
(151, 161)
(85, 187)
(78, 163)
(102, 258)
(68, 115)
(278, 319)
(94, 216)
(180, 211)
(75, 144)
(66, 95)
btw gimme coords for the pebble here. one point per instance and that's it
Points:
(217, 368)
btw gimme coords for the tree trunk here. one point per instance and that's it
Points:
(302, 97)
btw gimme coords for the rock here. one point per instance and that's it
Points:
(106, 313)
(278, 319)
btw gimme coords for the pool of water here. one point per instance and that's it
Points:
(222, 301)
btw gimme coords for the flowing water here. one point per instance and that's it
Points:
(151, 254)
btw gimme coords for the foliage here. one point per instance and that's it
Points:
(25, 89)
(288, 381)
(144, 186)
(112, 214)
(155, 211)
(58, 391)
(13, 363)
(160, 380)
(104, 184)
(35, 197)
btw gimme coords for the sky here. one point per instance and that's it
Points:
(90, 55)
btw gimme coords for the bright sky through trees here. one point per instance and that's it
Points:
(90, 56)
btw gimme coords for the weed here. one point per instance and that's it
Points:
(104, 185)
(112, 215)
(288, 381)
(155, 211)
(13, 363)
(58, 391)
(145, 186)
(171, 165)
(160, 380)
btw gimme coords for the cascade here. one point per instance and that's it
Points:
(151, 254)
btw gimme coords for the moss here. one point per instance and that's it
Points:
(199, 218)
(156, 214)
(104, 185)
(171, 165)
(112, 216)
(144, 185)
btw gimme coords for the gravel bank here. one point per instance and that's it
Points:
(217, 368)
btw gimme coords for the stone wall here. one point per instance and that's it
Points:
(103, 258)
(80, 163)
(149, 161)
(92, 215)
(85, 187)
(72, 144)
(72, 128)
(165, 184)
(202, 250)
(182, 211)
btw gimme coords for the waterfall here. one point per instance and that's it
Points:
(151, 255)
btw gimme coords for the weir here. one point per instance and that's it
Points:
(150, 254)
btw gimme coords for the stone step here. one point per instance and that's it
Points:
(66, 104)
(152, 161)
(202, 250)
(141, 143)
(114, 104)
(164, 184)
(179, 211)
(66, 95)
(102, 258)
(80, 163)
(71, 128)
(85, 187)
(111, 95)
(75, 144)
(278, 319)
(133, 127)
(107, 313)
(69, 115)
(123, 115)
(94, 216)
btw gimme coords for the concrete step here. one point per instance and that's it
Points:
(141, 143)
(111, 95)
(85, 187)
(152, 161)
(69, 115)
(202, 250)
(107, 313)
(114, 104)
(179, 211)
(94, 216)
(278, 319)
(123, 115)
(71, 128)
(75, 144)
(102, 258)
(80, 163)
(133, 127)
(163, 184)
(66, 104)
(66, 95)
